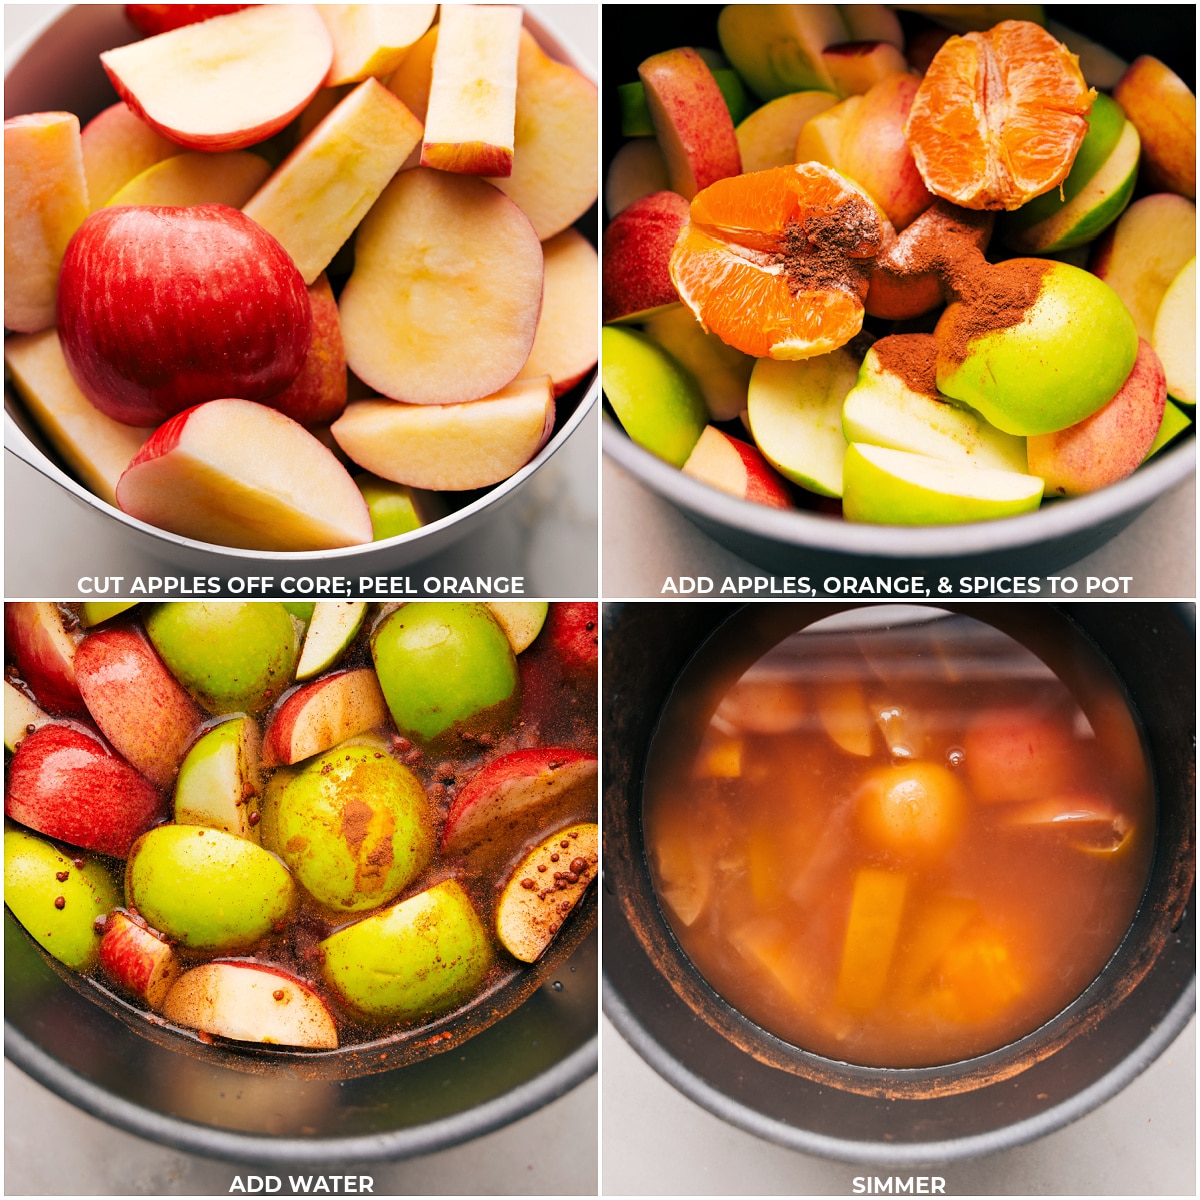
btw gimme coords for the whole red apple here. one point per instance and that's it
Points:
(160, 309)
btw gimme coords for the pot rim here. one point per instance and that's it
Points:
(194, 1138)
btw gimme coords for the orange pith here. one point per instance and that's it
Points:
(776, 263)
(998, 117)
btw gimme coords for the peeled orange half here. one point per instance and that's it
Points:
(998, 117)
(777, 263)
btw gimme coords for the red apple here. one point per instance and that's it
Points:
(636, 257)
(163, 308)
(137, 958)
(136, 701)
(574, 632)
(45, 652)
(151, 19)
(66, 783)
(737, 468)
(542, 781)
(321, 714)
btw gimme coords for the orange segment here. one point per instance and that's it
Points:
(998, 117)
(776, 263)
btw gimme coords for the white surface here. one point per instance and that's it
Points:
(658, 1143)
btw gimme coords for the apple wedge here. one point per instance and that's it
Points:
(411, 79)
(34, 634)
(637, 256)
(735, 467)
(372, 39)
(471, 119)
(526, 785)
(94, 446)
(452, 447)
(240, 474)
(118, 146)
(521, 620)
(323, 714)
(136, 701)
(555, 175)
(442, 263)
(546, 886)
(564, 346)
(1163, 108)
(844, 715)
(138, 959)
(21, 717)
(95, 612)
(226, 83)
(333, 626)
(251, 1002)
(230, 177)
(1175, 335)
(722, 372)
(767, 137)
(394, 508)
(638, 169)
(323, 189)
(1174, 422)
(45, 201)
(220, 779)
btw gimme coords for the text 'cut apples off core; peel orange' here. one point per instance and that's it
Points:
(777, 263)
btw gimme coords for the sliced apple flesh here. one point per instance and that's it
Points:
(21, 717)
(521, 620)
(334, 625)
(220, 779)
(324, 714)
(372, 39)
(230, 177)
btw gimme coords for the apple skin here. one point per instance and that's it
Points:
(152, 19)
(1077, 332)
(1111, 443)
(220, 779)
(573, 631)
(735, 467)
(118, 146)
(138, 959)
(321, 714)
(637, 169)
(160, 309)
(637, 254)
(1163, 109)
(33, 871)
(45, 652)
(66, 783)
(149, 719)
(1015, 754)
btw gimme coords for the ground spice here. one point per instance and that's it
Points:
(994, 297)
(913, 358)
(831, 248)
(945, 240)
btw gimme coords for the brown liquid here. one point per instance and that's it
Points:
(898, 846)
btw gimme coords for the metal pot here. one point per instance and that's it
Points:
(727, 1064)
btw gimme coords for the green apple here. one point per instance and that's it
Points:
(220, 778)
(390, 505)
(722, 372)
(886, 409)
(655, 398)
(1174, 422)
(777, 48)
(206, 888)
(302, 610)
(521, 620)
(95, 611)
(332, 628)
(21, 716)
(895, 487)
(231, 656)
(37, 876)
(795, 412)
(354, 826)
(418, 958)
(1093, 195)
(1062, 360)
(445, 668)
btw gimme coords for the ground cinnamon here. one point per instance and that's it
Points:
(912, 357)
(991, 298)
(832, 248)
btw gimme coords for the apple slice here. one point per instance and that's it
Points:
(95, 612)
(138, 958)
(895, 487)
(555, 174)
(394, 508)
(66, 783)
(226, 83)
(1174, 422)
(94, 446)
(251, 1002)
(767, 137)
(564, 346)
(323, 714)
(411, 79)
(117, 146)
(843, 713)
(1175, 335)
(237, 473)
(452, 447)
(44, 648)
(722, 372)
(691, 120)
(734, 467)
(521, 620)
(796, 417)
(522, 787)
(856, 67)
(323, 189)
(470, 122)
(372, 39)
(546, 886)
(136, 701)
(637, 257)
(45, 201)
(21, 716)
(220, 779)
(441, 258)
(1163, 108)
(333, 626)
(573, 629)
(230, 177)
(638, 169)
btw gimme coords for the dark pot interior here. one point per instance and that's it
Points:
(1074, 1062)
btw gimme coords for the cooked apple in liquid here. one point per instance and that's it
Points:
(898, 838)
